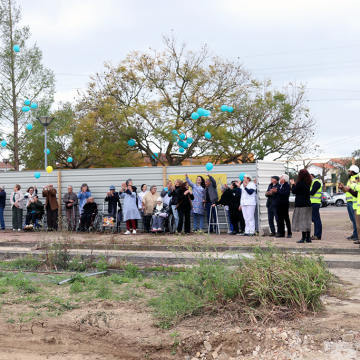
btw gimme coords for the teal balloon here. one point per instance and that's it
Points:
(189, 140)
(131, 142)
(166, 189)
(230, 109)
(27, 102)
(201, 112)
(181, 149)
(3, 143)
(182, 136)
(29, 126)
(241, 176)
(25, 108)
(209, 166)
(48, 151)
(224, 108)
(37, 175)
(180, 143)
(208, 112)
(175, 132)
(70, 159)
(156, 154)
(185, 145)
(195, 116)
(208, 135)
(34, 105)
(16, 48)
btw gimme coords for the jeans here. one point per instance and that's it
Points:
(316, 220)
(31, 217)
(351, 212)
(198, 218)
(2, 222)
(272, 213)
(176, 215)
(230, 222)
(157, 222)
(208, 209)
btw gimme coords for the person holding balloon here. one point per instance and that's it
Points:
(51, 206)
(83, 195)
(198, 207)
(210, 197)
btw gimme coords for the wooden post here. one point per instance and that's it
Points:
(353, 161)
(59, 193)
(164, 175)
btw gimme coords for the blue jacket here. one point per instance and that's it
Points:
(2, 198)
(83, 198)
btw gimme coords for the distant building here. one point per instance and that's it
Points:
(3, 167)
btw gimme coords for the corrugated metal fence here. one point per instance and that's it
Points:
(99, 181)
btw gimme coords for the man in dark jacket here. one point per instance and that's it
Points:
(35, 209)
(282, 206)
(70, 200)
(2, 206)
(113, 199)
(271, 204)
(89, 208)
(51, 206)
(210, 197)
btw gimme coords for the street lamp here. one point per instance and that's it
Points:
(6, 161)
(45, 121)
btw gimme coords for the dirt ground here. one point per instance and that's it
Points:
(121, 330)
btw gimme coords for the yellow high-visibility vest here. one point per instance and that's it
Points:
(349, 197)
(356, 187)
(316, 198)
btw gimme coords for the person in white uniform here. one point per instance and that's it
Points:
(248, 204)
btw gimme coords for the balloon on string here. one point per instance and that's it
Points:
(241, 176)
(201, 112)
(3, 143)
(37, 175)
(49, 169)
(29, 126)
(181, 149)
(156, 154)
(180, 143)
(27, 102)
(185, 145)
(131, 142)
(182, 136)
(175, 132)
(25, 108)
(195, 116)
(230, 109)
(16, 48)
(48, 151)
(224, 108)
(34, 105)
(209, 166)
(70, 159)
(190, 140)
(208, 135)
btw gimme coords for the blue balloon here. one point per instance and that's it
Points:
(70, 159)
(241, 176)
(224, 108)
(37, 175)
(131, 142)
(201, 112)
(189, 140)
(16, 48)
(207, 112)
(175, 132)
(166, 189)
(29, 126)
(185, 145)
(230, 109)
(25, 108)
(208, 135)
(27, 102)
(181, 149)
(3, 143)
(156, 154)
(48, 151)
(182, 136)
(209, 166)
(180, 143)
(34, 105)
(195, 116)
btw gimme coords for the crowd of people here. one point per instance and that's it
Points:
(183, 198)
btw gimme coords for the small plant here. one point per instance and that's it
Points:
(132, 271)
(76, 287)
(176, 342)
(10, 320)
(102, 264)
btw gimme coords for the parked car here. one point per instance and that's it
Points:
(339, 199)
(325, 199)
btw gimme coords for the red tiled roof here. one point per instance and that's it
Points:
(2, 165)
(324, 165)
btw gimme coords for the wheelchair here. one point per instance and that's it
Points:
(95, 222)
(39, 223)
(168, 223)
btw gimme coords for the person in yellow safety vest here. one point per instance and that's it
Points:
(352, 202)
(315, 198)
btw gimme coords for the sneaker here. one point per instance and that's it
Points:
(26, 227)
(14, 229)
(134, 232)
(244, 234)
(350, 237)
(19, 229)
(240, 233)
(127, 232)
(31, 226)
(229, 232)
(315, 238)
(159, 229)
(232, 233)
(357, 242)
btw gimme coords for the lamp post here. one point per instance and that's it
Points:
(45, 121)
(6, 161)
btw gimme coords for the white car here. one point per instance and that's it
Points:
(339, 199)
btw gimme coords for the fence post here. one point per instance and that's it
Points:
(164, 176)
(59, 193)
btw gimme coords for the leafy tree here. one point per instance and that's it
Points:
(22, 76)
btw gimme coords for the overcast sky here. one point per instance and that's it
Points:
(314, 42)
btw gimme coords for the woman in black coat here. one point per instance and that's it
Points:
(303, 211)
(184, 205)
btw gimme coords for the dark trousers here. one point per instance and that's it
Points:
(208, 209)
(71, 217)
(17, 217)
(316, 220)
(183, 213)
(234, 220)
(283, 217)
(52, 218)
(272, 213)
(147, 220)
(85, 217)
(31, 217)
(241, 220)
(351, 212)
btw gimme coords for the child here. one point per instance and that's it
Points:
(160, 213)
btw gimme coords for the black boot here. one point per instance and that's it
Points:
(308, 239)
(303, 239)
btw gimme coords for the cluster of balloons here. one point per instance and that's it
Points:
(27, 108)
(227, 108)
(200, 112)
(181, 142)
